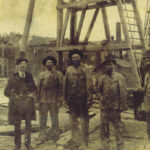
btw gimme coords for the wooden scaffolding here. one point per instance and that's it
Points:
(130, 22)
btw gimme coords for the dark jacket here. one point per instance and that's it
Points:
(78, 84)
(21, 104)
(113, 92)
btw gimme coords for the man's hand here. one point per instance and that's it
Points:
(140, 90)
(14, 96)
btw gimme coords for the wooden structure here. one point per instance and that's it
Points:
(130, 22)
(129, 18)
(147, 23)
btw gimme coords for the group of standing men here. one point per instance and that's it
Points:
(76, 88)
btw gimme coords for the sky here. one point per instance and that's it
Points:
(13, 14)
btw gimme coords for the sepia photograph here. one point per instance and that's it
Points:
(74, 75)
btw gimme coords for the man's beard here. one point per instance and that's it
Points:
(109, 71)
(76, 63)
(49, 67)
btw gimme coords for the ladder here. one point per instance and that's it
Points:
(133, 33)
(134, 24)
(147, 23)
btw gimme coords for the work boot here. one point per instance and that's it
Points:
(17, 148)
(29, 147)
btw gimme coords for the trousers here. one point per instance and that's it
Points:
(148, 123)
(43, 112)
(17, 133)
(107, 117)
(79, 117)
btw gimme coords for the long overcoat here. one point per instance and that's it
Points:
(21, 104)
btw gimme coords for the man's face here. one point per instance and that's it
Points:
(109, 67)
(76, 59)
(22, 66)
(147, 63)
(49, 64)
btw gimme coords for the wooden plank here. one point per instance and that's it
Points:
(106, 25)
(49, 46)
(80, 4)
(64, 26)
(84, 4)
(91, 25)
(91, 47)
(80, 26)
(97, 5)
(27, 26)
(9, 129)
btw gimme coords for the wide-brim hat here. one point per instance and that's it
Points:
(75, 51)
(146, 54)
(49, 58)
(19, 60)
(108, 59)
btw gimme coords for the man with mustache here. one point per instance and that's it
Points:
(49, 84)
(113, 100)
(78, 85)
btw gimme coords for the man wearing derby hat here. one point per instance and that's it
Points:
(112, 89)
(21, 91)
(49, 85)
(77, 93)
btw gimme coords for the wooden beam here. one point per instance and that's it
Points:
(27, 26)
(80, 26)
(59, 31)
(73, 25)
(91, 26)
(118, 37)
(59, 22)
(64, 26)
(110, 46)
(118, 31)
(97, 5)
(84, 4)
(80, 4)
(106, 25)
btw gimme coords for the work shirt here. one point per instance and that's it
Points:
(49, 84)
(78, 84)
(113, 91)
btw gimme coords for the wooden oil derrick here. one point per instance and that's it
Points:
(130, 22)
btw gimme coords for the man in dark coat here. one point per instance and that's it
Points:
(21, 91)
(78, 86)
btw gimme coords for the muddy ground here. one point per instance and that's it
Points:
(134, 134)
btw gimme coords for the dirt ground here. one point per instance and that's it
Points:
(134, 135)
